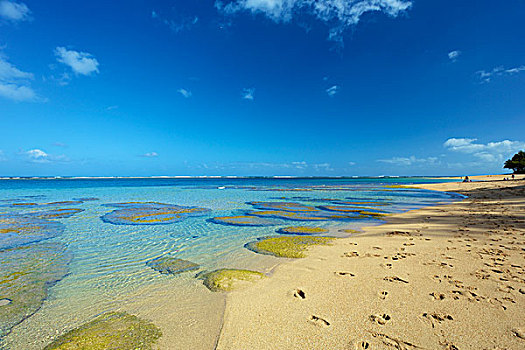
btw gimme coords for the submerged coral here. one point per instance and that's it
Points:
(22, 205)
(16, 230)
(226, 280)
(349, 230)
(301, 216)
(112, 330)
(285, 206)
(287, 246)
(243, 220)
(56, 213)
(169, 265)
(150, 213)
(26, 274)
(301, 230)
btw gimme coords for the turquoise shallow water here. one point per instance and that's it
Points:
(108, 262)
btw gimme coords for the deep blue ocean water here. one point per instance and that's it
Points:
(108, 263)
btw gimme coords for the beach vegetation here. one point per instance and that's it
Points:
(516, 163)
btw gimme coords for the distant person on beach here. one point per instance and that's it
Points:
(466, 179)
(512, 176)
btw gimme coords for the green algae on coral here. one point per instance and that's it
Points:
(242, 220)
(285, 206)
(112, 330)
(149, 213)
(401, 186)
(169, 265)
(373, 214)
(17, 230)
(26, 273)
(349, 230)
(226, 280)
(301, 230)
(56, 213)
(287, 246)
(300, 216)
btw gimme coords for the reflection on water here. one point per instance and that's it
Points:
(117, 250)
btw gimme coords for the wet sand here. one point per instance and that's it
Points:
(442, 277)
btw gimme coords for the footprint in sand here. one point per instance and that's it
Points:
(318, 321)
(518, 332)
(394, 279)
(344, 274)
(299, 294)
(380, 319)
(362, 345)
(436, 317)
(395, 343)
(350, 254)
(383, 295)
(437, 296)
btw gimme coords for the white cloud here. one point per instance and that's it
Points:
(491, 152)
(454, 55)
(486, 76)
(176, 26)
(80, 62)
(150, 155)
(332, 90)
(322, 167)
(408, 161)
(338, 14)
(185, 93)
(14, 83)
(352, 163)
(39, 156)
(248, 94)
(14, 11)
(3, 158)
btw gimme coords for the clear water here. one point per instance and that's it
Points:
(108, 268)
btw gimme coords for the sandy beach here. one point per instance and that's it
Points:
(443, 277)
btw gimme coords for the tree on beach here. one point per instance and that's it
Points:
(517, 163)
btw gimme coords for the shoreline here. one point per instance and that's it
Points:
(422, 259)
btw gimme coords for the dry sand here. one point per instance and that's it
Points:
(443, 277)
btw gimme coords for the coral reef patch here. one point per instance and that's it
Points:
(149, 213)
(170, 265)
(27, 273)
(301, 230)
(112, 330)
(287, 246)
(302, 216)
(23, 205)
(16, 230)
(226, 280)
(285, 206)
(56, 213)
(243, 220)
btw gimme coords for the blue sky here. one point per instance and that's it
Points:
(260, 87)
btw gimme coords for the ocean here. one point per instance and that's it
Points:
(84, 250)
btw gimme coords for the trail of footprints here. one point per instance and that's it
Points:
(496, 251)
